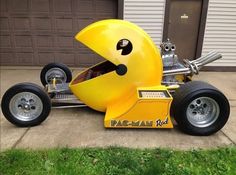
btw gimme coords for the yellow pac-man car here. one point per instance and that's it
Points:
(135, 85)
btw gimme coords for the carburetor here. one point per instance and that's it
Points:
(170, 62)
(169, 58)
(176, 70)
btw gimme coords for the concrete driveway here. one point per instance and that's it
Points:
(83, 127)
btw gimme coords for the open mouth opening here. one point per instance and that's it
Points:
(96, 71)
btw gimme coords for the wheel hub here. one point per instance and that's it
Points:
(203, 111)
(57, 73)
(26, 106)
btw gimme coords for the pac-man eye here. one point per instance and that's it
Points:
(125, 45)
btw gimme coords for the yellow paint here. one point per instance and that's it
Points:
(180, 78)
(142, 109)
(114, 94)
(54, 83)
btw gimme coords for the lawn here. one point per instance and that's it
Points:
(120, 161)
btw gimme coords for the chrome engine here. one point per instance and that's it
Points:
(169, 58)
(173, 66)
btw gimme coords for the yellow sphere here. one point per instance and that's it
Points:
(132, 60)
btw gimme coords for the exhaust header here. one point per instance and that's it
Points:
(193, 67)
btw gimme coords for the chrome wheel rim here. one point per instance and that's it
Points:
(26, 106)
(203, 112)
(57, 73)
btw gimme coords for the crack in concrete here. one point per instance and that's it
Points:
(228, 138)
(19, 140)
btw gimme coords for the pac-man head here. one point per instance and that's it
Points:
(132, 60)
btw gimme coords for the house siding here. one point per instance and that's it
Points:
(148, 14)
(220, 31)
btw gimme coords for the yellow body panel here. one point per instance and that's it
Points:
(117, 94)
(144, 63)
(146, 112)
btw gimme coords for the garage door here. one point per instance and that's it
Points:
(36, 32)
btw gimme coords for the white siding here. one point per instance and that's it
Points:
(148, 14)
(220, 32)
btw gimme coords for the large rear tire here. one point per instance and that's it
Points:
(25, 105)
(199, 108)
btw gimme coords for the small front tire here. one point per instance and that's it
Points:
(58, 71)
(25, 105)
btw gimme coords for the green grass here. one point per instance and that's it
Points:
(118, 161)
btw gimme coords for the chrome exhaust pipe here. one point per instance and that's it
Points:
(214, 56)
(204, 57)
(177, 71)
(193, 67)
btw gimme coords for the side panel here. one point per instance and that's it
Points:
(151, 110)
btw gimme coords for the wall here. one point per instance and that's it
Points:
(148, 14)
(220, 32)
